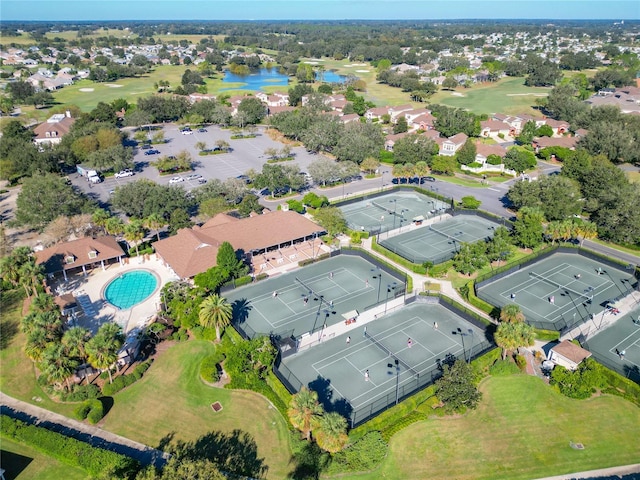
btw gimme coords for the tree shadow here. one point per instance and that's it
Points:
(449, 360)
(322, 387)
(107, 404)
(309, 462)
(166, 441)
(235, 452)
(240, 310)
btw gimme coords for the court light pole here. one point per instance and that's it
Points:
(378, 275)
(390, 288)
(395, 207)
(462, 334)
(397, 367)
(321, 298)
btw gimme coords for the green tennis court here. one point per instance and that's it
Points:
(618, 345)
(305, 299)
(390, 211)
(419, 337)
(439, 241)
(559, 291)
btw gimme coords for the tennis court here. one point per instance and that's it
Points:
(618, 345)
(419, 337)
(390, 211)
(439, 241)
(559, 291)
(306, 299)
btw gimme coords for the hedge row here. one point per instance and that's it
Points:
(414, 267)
(309, 261)
(124, 381)
(96, 461)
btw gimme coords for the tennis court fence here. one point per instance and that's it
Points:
(623, 368)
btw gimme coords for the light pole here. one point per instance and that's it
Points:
(321, 298)
(396, 364)
(395, 206)
(378, 275)
(462, 334)
(390, 288)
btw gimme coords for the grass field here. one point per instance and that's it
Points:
(30, 464)
(171, 401)
(521, 430)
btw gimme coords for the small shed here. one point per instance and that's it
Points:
(567, 354)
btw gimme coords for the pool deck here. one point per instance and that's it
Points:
(89, 293)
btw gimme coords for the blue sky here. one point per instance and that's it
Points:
(315, 9)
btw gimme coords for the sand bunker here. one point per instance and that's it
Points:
(362, 71)
(85, 89)
(527, 94)
(457, 94)
(311, 63)
(113, 85)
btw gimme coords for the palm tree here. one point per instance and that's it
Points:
(215, 312)
(31, 275)
(331, 432)
(114, 226)
(57, 365)
(511, 336)
(588, 230)
(155, 222)
(304, 410)
(43, 302)
(134, 232)
(100, 217)
(75, 340)
(511, 314)
(554, 231)
(103, 348)
(36, 344)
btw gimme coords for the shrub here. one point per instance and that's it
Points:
(210, 371)
(243, 280)
(96, 461)
(364, 455)
(123, 381)
(82, 410)
(494, 159)
(97, 411)
(80, 393)
(180, 336)
(475, 165)
(501, 135)
(503, 367)
(140, 370)
(470, 202)
(521, 362)
(296, 206)
(261, 276)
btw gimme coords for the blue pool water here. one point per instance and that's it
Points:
(269, 77)
(130, 288)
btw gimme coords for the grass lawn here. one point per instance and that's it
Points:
(521, 430)
(508, 95)
(25, 463)
(171, 400)
(633, 177)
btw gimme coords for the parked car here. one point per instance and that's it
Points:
(202, 130)
(152, 152)
(124, 173)
(427, 179)
(176, 180)
(145, 146)
(244, 178)
(186, 131)
(193, 176)
(202, 181)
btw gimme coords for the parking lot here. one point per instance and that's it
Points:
(245, 154)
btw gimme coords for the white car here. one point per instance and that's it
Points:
(176, 180)
(123, 173)
(187, 132)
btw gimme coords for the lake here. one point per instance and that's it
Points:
(269, 77)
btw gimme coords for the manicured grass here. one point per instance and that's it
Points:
(172, 400)
(521, 430)
(17, 375)
(33, 465)
(634, 177)
(508, 95)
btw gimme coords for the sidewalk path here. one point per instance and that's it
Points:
(94, 436)
(625, 472)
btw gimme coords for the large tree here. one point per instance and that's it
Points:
(330, 432)
(528, 227)
(558, 197)
(215, 312)
(102, 350)
(457, 388)
(512, 335)
(332, 220)
(304, 411)
(252, 109)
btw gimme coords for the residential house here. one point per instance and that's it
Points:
(376, 113)
(391, 140)
(558, 126)
(81, 254)
(539, 143)
(52, 131)
(395, 112)
(483, 151)
(626, 98)
(449, 146)
(423, 122)
(276, 99)
(494, 127)
(568, 355)
(194, 250)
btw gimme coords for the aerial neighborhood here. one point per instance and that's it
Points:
(319, 249)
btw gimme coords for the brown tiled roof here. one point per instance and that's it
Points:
(61, 128)
(567, 142)
(571, 351)
(192, 251)
(486, 150)
(54, 258)
(494, 125)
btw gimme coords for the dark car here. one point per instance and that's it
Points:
(145, 146)
(244, 178)
(152, 152)
(202, 130)
(427, 179)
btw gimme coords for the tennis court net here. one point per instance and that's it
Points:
(561, 287)
(389, 353)
(313, 293)
(450, 237)
(389, 211)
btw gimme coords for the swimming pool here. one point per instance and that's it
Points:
(130, 288)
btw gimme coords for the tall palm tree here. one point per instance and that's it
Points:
(215, 312)
(155, 222)
(511, 336)
(31, 275)
(114, 226)
(330, 431)
(511, 314)
(304, 410)
(587, 231)
(36, 344)
(100, 217)
(75, 341)
(43, 302)
(102, 350)
(134, 232)
(57, 365)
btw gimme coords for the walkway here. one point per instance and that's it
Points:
(94, 436)
(625, 472)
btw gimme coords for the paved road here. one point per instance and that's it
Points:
(80, 431)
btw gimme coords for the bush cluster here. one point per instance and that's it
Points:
(96, 411)
(124, 381)
(503, 367)
(80, 393)
(96, 461)
(521, 362)
(364, 455)
(261, 276)
(210, 369)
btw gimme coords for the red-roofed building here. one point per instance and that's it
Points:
(568, 355)
(52, 131)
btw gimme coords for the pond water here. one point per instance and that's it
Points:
(269, 77)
